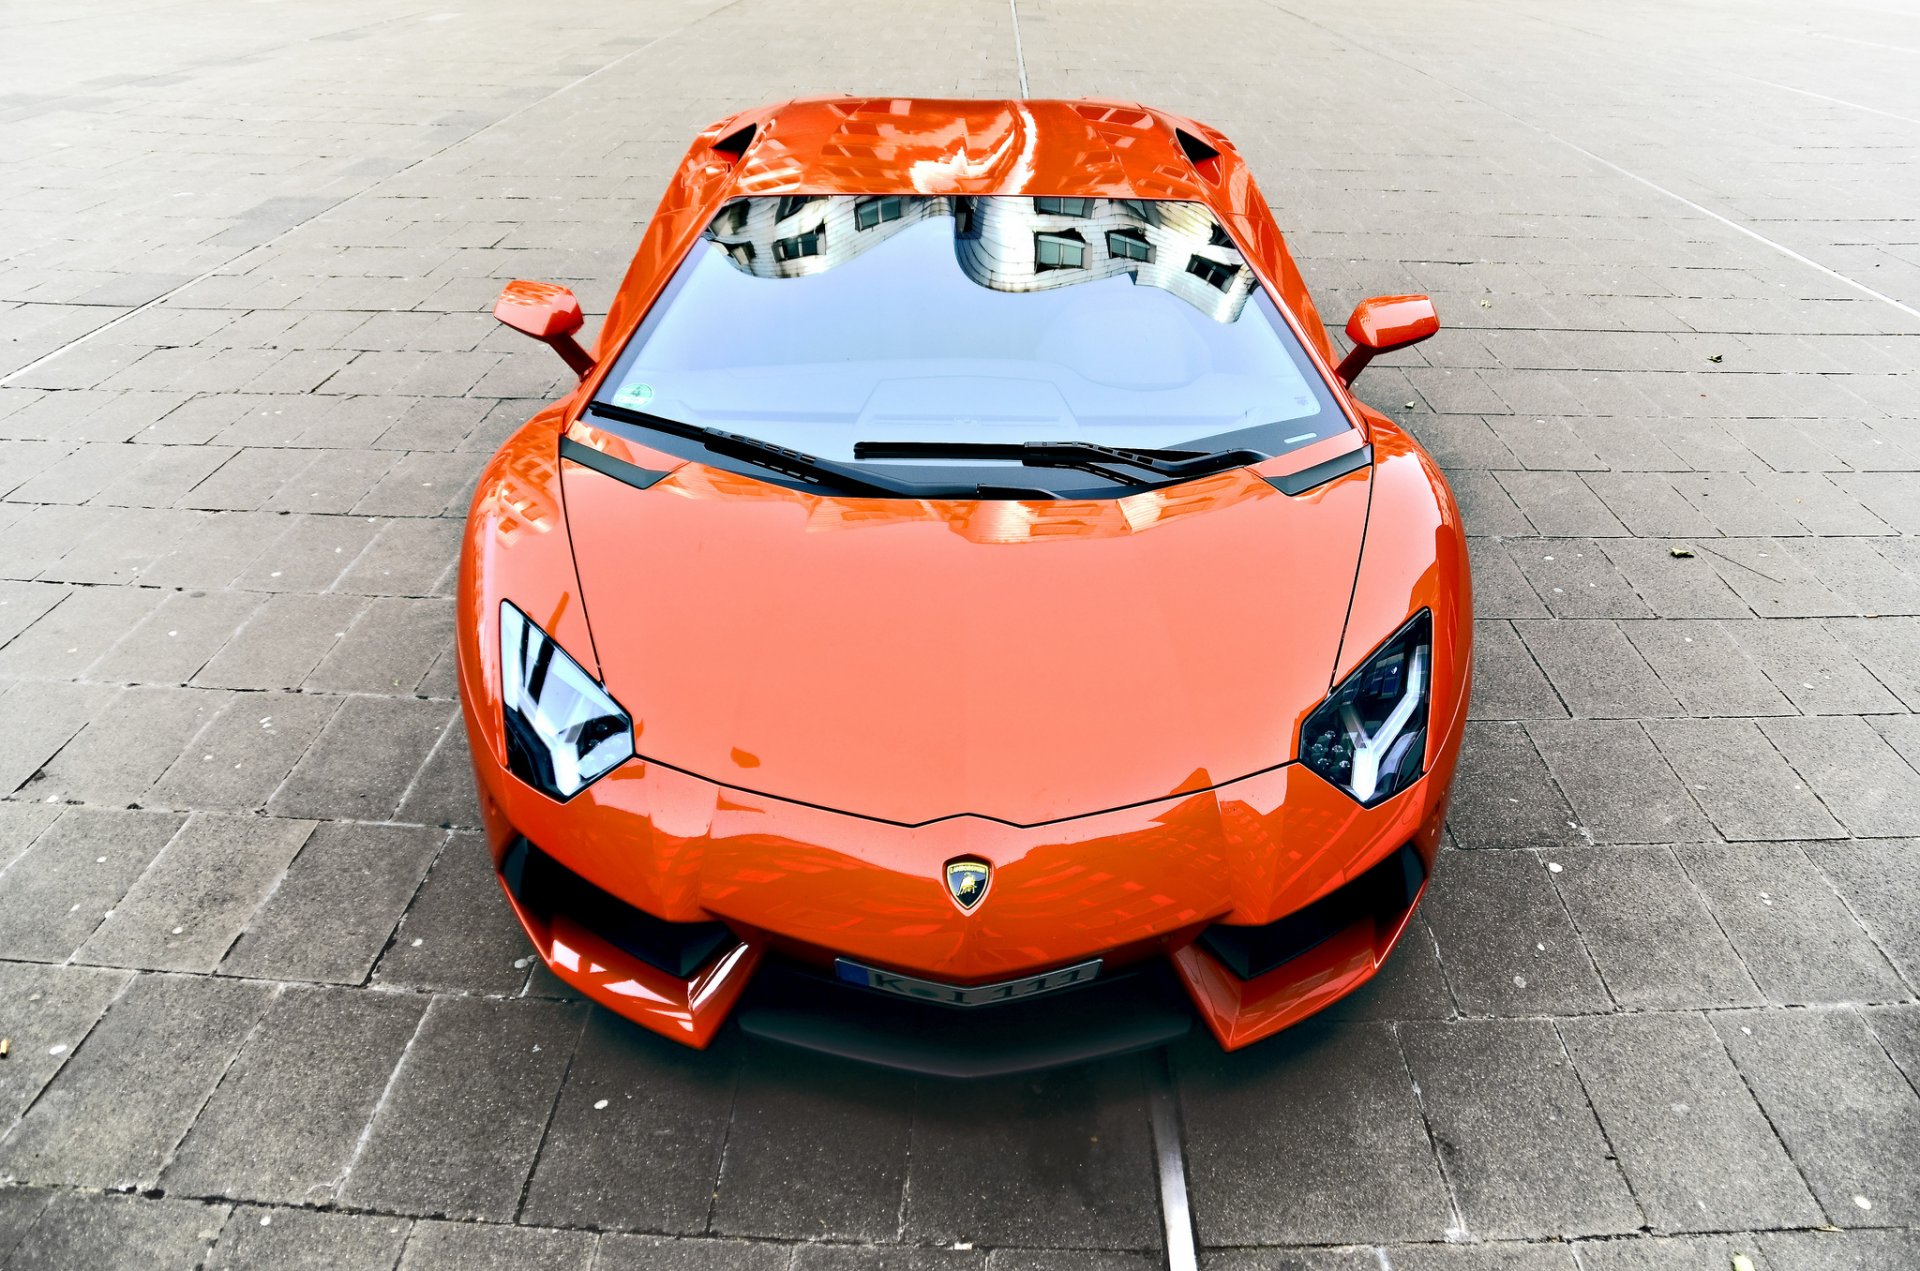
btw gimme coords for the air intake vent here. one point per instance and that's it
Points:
(735, 143)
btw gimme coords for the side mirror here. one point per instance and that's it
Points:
(549, 313)
(1383, 324)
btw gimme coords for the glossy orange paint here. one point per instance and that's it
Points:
(834, 696)
(1383, 324)
(550, 314)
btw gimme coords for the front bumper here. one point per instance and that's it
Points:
(674, 901)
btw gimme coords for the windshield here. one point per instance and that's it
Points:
(817, 323)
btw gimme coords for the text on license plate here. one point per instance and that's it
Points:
(964, 994)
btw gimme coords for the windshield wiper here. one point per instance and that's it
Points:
(792, 463)
(1091, 456)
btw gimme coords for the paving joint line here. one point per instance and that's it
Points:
(1170, 1163)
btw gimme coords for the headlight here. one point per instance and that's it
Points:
(1370, 736)
(563, 731)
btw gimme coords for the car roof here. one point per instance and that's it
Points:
(917, 145)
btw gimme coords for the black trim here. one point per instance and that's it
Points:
(1380, 896)
(547, 889)
(1196, 150)
(619, 469)
(1320, 473)
(1136, 1009)
(735, 143)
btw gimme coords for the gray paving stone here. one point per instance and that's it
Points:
(1898, 1030)
(364, 760)
(1575, 579)
(443, 791)
(1880, 883)
(62, 887)
(1653, 939)
(37, 719)
(1621, 788)
(1070, 1260)
(1523, 1153)
(20, 825)
(332, 913)
(1291, 1259)
(1674, 1108)
(1507, 681)
(45, 1012)
(80, 1231)
(1815, 671)
(817, 1257)
(1672, 586)
(1673, 1253)
(1595, 670)
(1705, 669)
(1560, 505)
(1793, 933)
(76, 632)
(1889, 648)
(460, 1246)
(153, 1060)
(1739, 778)
(282, 642)
(653, 1253)
(303, 1240)
(1857, 776)
(287, 1116)
(1068, 1161)
(650, 1158)
(171, 644)
(459, 933)
(124, 749)
(186, 910)
(19, 1208)
(1505, 941)
(1313, 1137)
(463, 1119)
(388, 650)
(1841, 1250)
(244, 754)
(804, 1161)
(1848, 1118)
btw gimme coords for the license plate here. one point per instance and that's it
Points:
(964, 994)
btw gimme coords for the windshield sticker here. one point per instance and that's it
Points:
(633, 396)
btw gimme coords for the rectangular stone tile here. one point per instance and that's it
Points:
(1069, 1260)
(1674, 1253)
(80, 1231)
(333, 911)
(1848, 1118)
(215, 551)
(1793, 933)
(1856, 571)
(1412, 984)
(637, 1138)
(458, 1246)
(186, 910)
(1734, 505)
(245, 753)
(1654, 940)
(1575, 579)
(282, 642)
(1815, 671)
(1673, 586)
(1772, 581)
(1524, 1155)
(1505, 940)
(310, 555)
(364, 760)
(1739, 778)
(37, 719)
(1559, 504)
(1507, 682)
(462, 1122)
(443, 792)
(1068, 1163)
(45, 1011)
(1677, 1112)
(330, 481)
(1312, 1137)
(62, 887)
(1500, 590)
(1856, 775)
(654, 1253)
(1841, 1250)
(153, 1060)
(286, 1119)
(388, 650)
(804, 1160)
(409, 557)
(1703, 667)
(20, 825)
(125, 748)
(171, 644)
(1502, 794)
(896, 1258)
(459, 933)
(1595, 670)
(1621, 788)
(304, 1240)
(22, 604)
(76, 632)
(1648, 505)
(19, 1208)
(1889, 648)
(1880, 883)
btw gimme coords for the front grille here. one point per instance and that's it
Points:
(547, 889)
(1379, 897)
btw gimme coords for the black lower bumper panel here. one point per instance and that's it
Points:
(1131, 1010)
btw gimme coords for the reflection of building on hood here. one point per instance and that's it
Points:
(1005, 242)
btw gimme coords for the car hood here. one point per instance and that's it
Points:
(913, 660)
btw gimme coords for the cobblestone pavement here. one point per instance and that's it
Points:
(266, 1006)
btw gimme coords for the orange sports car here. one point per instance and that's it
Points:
(963, 619)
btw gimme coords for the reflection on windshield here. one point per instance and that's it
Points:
(1002, 242)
